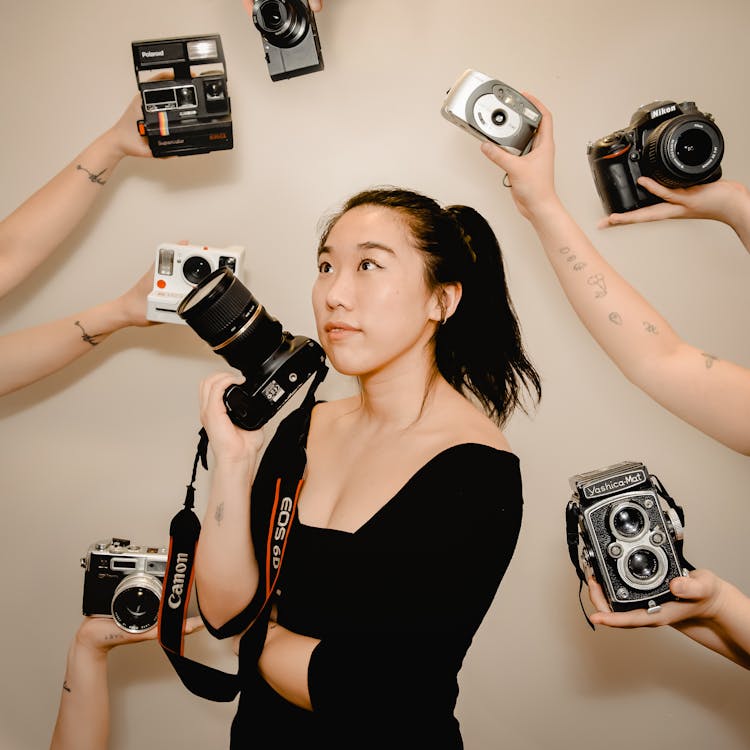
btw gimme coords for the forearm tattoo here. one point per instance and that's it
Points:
(66, 687)
(86, 337)
(219, 514)
(576, 265)
(598, 281)
(616, 318)
(96, 178)
(710, 359)
(650, 328)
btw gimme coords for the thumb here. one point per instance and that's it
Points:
(498, 155)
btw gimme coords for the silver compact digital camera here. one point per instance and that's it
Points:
(623, 525)
(492, 111)
(124, 581)
(179, 269)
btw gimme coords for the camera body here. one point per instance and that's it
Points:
(124, 581)
(674, 144)
(628, 531)
(492, 111)
(275, 363)
(290, 37)
(184, 95)
(178, 269)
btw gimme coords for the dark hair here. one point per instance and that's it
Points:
(479, 347)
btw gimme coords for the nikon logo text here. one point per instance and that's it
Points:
(156, 53)
(615, 484)
(178, 580)
(279, 533)
(662, 111)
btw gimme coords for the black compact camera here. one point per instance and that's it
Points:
(624, 527)
(223, 312)
(124, 581)
(674, 144)
(290, 37)
(185, 99)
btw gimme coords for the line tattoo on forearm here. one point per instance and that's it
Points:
(86, 337)
(598, 281)
(710, 359)
(66, 687)
(96, 178)
(616, 318)
(219, 514)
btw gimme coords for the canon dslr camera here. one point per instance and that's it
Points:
(290, 37)
(674, 144)
(185, 100)
(223, 312)
(492, 111)
(624, 527)
(124, 581)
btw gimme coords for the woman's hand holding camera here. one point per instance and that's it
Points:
(123, 137)
(710, 610)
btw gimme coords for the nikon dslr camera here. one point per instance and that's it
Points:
(124, 581)
(624, 527)
(290, 37)
(674, 144)
(492, 111)
(185, 100)
(179, 269)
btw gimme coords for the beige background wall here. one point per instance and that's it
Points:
(106, 447)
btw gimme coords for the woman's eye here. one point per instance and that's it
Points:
(324, 267)
(368, 265)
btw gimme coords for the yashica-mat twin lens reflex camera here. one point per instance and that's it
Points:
(492, 111)
(178, 269)
(625, 528)
(675, 144)
(124, 581)
(185, 99)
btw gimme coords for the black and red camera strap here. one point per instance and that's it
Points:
(201, 679)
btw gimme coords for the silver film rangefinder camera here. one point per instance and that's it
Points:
(625, 528)
(492, 111)
(124, 581)
(179, 269)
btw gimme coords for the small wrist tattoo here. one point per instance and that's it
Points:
(85, 336)
(97, 178)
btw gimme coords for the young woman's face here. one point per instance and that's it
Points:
(371, 303)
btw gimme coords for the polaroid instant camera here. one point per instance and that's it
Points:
(178, 269)
(185, 100)
(492, 111)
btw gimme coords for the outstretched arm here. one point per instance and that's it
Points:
(725, 201)
(83, 716)
(34, 353)
(711, 611)
(30, 234)
(711, 394)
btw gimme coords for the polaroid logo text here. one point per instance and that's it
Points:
(616, 484)
(178, 581)
(147, 53)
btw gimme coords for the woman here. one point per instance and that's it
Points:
(411, 505)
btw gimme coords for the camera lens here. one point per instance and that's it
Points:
(499, 117)
(628, 521)
(195, 269)
(135, 603)
(683, 151)
(643, 564)
(223, 312)
(283, 22)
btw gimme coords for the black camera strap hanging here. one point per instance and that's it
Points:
(201, 679)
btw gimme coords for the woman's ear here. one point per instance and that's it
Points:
(447, 297)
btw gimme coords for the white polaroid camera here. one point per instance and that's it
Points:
(180, 268)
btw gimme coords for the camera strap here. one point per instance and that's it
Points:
(203, 680)
(572, 518)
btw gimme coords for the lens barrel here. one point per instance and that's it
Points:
(135, 602)
(282, 22)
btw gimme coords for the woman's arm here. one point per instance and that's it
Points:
(30, 234)
(710, 610)
(226, 571)
(711, 394)
(34, 353)
(724, 200)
